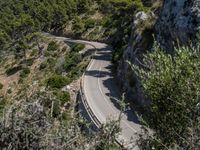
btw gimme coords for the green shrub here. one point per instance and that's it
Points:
(25, 72)
(139, 5)
(78, 26)
(56, 109)
(90, 23)
(65, 117)
(2, 104)
(78, 47)
(57, 81)
(1, 86)
(71, 60)
(29, 62)
(63, 97)
(43, 65)
(34, 52)
(47, 53)
(117, 55)
(52, 46)
(76, 72)
(51, 62)
(172, 82)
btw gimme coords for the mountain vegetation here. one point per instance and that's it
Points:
(172, 85)
(110, 19)
(37, 71)
(35, 111)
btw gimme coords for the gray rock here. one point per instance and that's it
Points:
(125, 74)
(140, 16)
(66, 88)
(179, 20)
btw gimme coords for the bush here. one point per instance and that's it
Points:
(57, 81)
(65, 117)
(13, 70)
(90, 23)
(25, 72)
(71, 60)
(63, 97)
(78, 26)
(2, 104)
(51, 62)
(52, 46)
(78, 47)
(29, 62)
(43, 65)
(1, 86)
(172, 85)
(34, 52)
(56, 109)
(47, 53)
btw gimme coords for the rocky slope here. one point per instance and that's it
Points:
(178, 21)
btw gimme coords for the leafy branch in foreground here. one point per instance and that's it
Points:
(29, 123)
(172, 83)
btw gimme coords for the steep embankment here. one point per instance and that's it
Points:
(175, 21)
(179, 20)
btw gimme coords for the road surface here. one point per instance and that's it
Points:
(101, 93)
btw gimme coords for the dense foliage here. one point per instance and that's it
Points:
(172, 84)
(30, 123)
(38, 120)
(20, 19)
(57, 81)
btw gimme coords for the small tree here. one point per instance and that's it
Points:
(27, 124)
(172, 83)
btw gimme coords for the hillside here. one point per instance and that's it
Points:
(163, 73)
(155, 62)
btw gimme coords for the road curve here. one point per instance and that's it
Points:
(101, 94)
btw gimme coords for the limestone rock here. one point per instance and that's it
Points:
(179, 20)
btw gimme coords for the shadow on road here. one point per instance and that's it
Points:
(97, 73)
(110, 83)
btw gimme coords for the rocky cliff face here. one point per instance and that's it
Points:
(179, 20)
(139, 42)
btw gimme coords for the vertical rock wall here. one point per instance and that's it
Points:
(179, 20)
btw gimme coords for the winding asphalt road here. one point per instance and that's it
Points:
(102, 95)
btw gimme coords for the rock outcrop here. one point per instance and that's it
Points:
(139, 42)
(179, 20)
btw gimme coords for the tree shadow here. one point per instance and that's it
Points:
(13, 70)
(115, 97)
(97, 73)
(110, 83)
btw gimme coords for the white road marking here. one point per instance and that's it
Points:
(91, 64)
(106, 100)
(100, 45)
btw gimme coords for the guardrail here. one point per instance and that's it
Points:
(92, 116)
